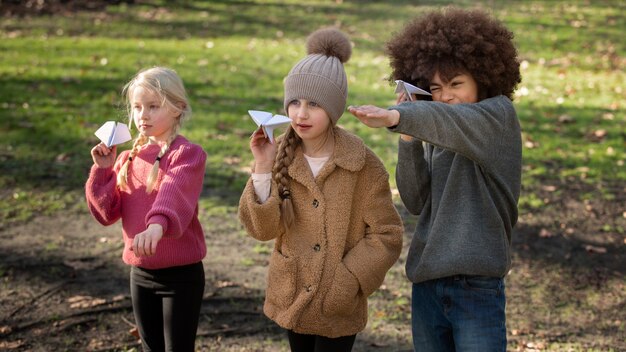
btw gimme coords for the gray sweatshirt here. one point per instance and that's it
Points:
(463, 182)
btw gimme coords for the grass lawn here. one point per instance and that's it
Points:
(61, 77)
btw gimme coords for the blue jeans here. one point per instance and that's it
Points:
(459, 313)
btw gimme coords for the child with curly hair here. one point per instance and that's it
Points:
(324, 198)
(154, 188)
(459, 169)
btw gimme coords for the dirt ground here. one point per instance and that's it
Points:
(64, 287)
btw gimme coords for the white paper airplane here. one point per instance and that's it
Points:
(409, 89)
(268, 122)
(113, 133)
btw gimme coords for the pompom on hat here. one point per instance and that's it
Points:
(320, 77)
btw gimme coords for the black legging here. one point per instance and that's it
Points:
(315, 343)
(166, 304)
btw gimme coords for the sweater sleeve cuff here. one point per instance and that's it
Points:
(159, 219)
(262, 185)
(395, 127)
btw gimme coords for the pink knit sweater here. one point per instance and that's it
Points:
(173, 203)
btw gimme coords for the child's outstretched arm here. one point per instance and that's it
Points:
(486, 132)
(373, 116)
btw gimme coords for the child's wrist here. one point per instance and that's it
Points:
(157, 227)
(394, 118)
(262, 168)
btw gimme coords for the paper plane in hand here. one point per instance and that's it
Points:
(113, 133)
(268, 122)
(409, 90)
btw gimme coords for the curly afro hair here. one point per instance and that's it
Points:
(455, 41)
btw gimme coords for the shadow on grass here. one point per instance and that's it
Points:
(584, 257)
(268, 20)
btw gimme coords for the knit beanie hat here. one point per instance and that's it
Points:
(320, 76)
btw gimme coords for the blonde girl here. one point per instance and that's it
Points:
(154, 188)
(324, 197)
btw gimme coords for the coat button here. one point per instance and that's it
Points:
(315, 203)
(317, 248)
(309, 288)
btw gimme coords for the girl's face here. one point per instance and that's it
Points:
(462, 88)
(151, 118)
(309, 120)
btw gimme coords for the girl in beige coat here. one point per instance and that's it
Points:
(324, 197)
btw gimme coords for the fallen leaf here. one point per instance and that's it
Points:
(599, 133)
(595, 249)
(530, 144)
(84, 263)
(118, 298)
(81, 302)
(222, 284)
(95, 344)
(545, 233)
(566, 119)
(10, 345)
(608, 116)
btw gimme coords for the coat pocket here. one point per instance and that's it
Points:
(281, 280)
(344, 294)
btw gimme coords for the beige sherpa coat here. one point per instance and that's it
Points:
(347, 234)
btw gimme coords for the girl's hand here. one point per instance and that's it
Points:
(145, 243)
(102, 156)
(263, 151)
(373, 116)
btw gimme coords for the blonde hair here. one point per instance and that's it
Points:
(168, 86)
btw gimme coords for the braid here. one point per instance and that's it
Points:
(122, 175)
(150, 183)
(284, 157)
